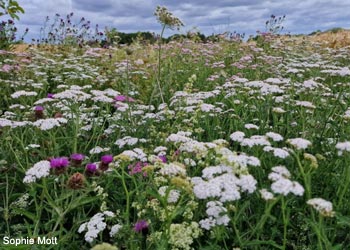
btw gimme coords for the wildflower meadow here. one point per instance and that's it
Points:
(189, 144)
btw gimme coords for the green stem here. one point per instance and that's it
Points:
(344, 188)
(6, 209)
(306, 177)
(237, 232)
(127, 208)
(260, 225)
(77, 127)
(159, 61)
(38, 209)
(285, 222)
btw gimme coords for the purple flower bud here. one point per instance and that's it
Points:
(162, 158)
(77, 157)
(91, 167)
(141, 227)
(39, 112)
(106, 159)
(39, 108)
(60, 162)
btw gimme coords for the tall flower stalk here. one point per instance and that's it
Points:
(167, 20)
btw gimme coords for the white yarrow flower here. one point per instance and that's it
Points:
(343, 146)
(39, 170)
(173, 195)
(299, 143)
(251, 126)
(266, 195)
(237, 136)
(114, 230)
(49, 123)
(324, 207)
(274, 136)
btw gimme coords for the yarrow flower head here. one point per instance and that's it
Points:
(39, 170)
(166, 18)
(343, 146)
(299, 143)
(325, 208)
(95, 226)
(282, 184)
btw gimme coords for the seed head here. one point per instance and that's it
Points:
(165, 17)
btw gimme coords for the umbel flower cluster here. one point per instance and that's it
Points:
(165, 17)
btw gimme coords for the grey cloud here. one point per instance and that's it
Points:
(208, 15)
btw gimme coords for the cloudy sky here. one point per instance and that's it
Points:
(208, 16)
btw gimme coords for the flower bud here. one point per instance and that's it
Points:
(76, 181)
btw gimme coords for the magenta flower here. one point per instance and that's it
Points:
(50, 95)
(123, 98)
(60, 162)
(162, 158)
(141, 227)
(90, 167)
(38, 108)
(137, 168)
(76, 159)
(106, 159)
(38, 112)
(120, 98)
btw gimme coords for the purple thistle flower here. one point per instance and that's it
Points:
(162, 158)
(39, 108)
(38, 112)
(77, 157)
(91, 167)
(106, 159)
(60, 162)
(141, 227)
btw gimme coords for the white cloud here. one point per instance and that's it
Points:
(207, 15)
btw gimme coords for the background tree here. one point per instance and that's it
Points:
(10, 7)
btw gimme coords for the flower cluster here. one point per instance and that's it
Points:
(95, 225)
(282, 184)
(165, 17)
(325, 208)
